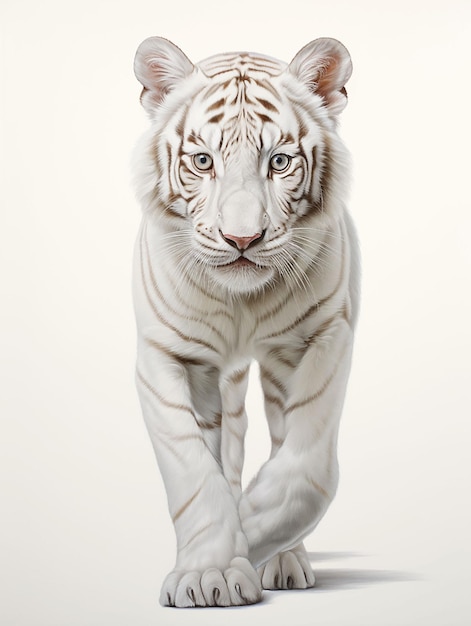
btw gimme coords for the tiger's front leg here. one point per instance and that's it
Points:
(294, 488)
(212, 566)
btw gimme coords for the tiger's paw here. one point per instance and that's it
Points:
(288, 570)
(239, 584)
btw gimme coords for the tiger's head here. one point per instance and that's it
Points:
(242, 163)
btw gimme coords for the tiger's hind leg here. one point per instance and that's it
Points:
(288, 570)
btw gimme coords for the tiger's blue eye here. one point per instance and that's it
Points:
(280, 162)
(202, 161)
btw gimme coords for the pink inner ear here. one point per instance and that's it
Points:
(328, 78)
(330, 83)
(324, 66)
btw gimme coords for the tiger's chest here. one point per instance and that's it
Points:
(223, 331)
(187, 315)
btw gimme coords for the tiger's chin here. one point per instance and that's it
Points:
(242, 276)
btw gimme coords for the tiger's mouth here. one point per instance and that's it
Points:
(242, 275)
(242, 261)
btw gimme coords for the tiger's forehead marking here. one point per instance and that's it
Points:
(241, 65)
(238, 101)
(240, 76)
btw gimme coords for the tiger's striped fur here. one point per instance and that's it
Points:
(245, 252)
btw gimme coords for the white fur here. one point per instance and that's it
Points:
(202, 318)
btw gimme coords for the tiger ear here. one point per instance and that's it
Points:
(324, 65)
(159, 65)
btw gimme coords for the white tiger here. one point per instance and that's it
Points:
(245, 252)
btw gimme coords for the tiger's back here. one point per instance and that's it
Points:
(245, 252)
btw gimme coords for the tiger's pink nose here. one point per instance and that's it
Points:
(242, 243)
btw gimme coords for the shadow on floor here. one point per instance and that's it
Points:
(317, 557)
(336, 579)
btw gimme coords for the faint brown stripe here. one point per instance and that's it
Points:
(211, 425)
(169, 168)
(215, 105)
(170, 211)
(315, 306)
(264, 118)
(274, 400)
(239, 376)
(183, 508)
(197, 437)
(268, 105)
(323, 327)
(212, 90)
(265, 84)
(173, 355)
(326, 170)
(160, 317)
(206, 293)
(318, 488)
(170, 448)
(270, 377)
(235, 414)
(315, 396)
(161, 399)
(286, 362)
(216, 118)
(197, 534)
(276, 309)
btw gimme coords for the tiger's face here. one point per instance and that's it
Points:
(246, 160)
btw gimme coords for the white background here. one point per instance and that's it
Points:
(85, 536)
